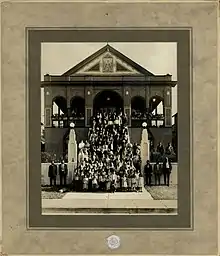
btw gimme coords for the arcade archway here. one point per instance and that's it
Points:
(77, 107)
(156, 107)
(138, 107)
(138, 103)
(59, 110)
(107, 100)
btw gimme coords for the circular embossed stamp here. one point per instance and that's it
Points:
(113, 242)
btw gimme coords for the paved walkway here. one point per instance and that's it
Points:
(110, 196)
(108, 202)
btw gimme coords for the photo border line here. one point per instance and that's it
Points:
(191, 126)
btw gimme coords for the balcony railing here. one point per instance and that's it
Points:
(148, 117)
(63, 121)
(65, 117)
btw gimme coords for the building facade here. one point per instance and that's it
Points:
(175, 136)
(106, 79)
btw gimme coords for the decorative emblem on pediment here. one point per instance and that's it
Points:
(107, 64)
(107, 61)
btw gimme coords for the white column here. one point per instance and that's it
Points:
(72, 153)
(145, 148)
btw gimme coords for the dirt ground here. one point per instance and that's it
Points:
(163, 192)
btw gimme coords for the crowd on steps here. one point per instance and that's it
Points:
(107, 160)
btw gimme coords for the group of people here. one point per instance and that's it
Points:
(108, 179)
(61, 170)
(108, 161)
(76, 114)
(157, 170)
(140, 114)
(160, 152)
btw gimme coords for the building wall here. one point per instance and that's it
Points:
(135, 135)
(175, 134)
(88, 92)
(163, 135)
(54, 138)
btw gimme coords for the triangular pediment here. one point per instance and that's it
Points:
(107, 61)
(94, 68)
(120, 67)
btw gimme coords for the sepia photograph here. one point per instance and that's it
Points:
(109, 135)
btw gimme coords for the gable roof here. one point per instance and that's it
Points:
(107, 48)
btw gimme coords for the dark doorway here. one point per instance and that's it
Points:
(138, 108)
(107, 100)
(138, 103)
(77, 107)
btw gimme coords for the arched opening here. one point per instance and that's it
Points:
(77, 107)
(138, 107)
(59, 112)
(107, 100)
(156, 111)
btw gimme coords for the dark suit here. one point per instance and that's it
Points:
(52, 174)
(166, 172)
(148, 173)
(160, 149)
(63, 173)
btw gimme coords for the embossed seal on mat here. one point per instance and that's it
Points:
(113, 242)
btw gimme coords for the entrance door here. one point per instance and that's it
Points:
(107, 100)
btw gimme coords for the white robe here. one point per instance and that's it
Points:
(81, 156)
